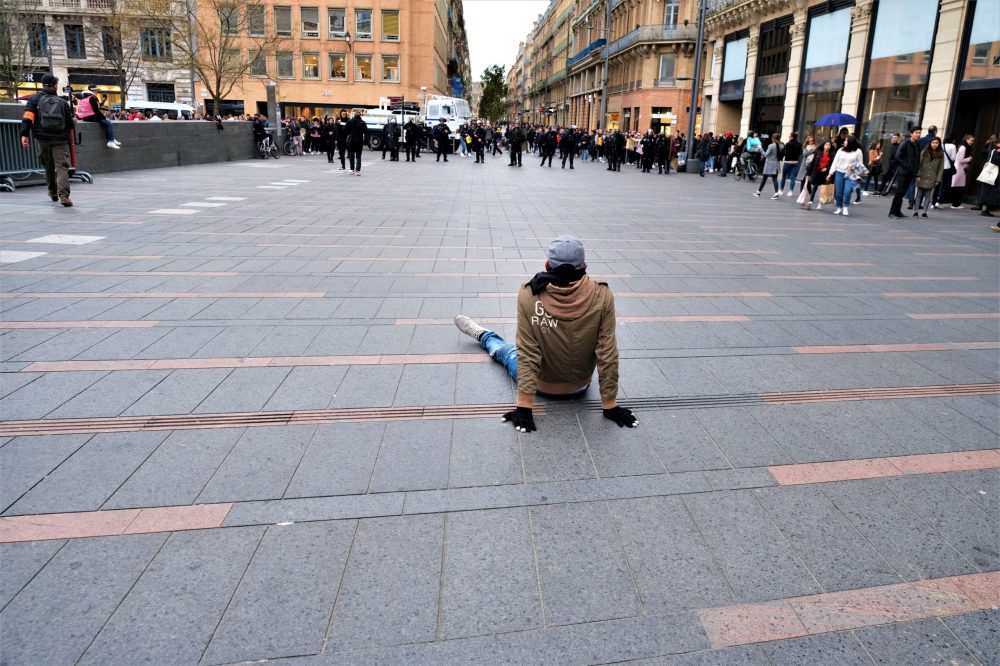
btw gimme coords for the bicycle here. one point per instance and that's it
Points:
(746, 168)
(266, 148)
(289, 147)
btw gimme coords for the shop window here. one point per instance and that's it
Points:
(76, 46)
(338, 66)
(390, 25)
(285, 66)
(310, 65)
(898, 70)
(338, 22)
(363, 67)
(283, 21)
(822, 85)
(390, 68)
(363, 23)
(310, 22)
(983, 55)
(734, 69)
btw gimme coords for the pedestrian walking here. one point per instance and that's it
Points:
(48, 119)
(772, 158)
(963, 157)
(846, 170)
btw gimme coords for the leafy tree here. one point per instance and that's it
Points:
(493, 104)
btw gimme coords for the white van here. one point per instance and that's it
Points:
(172, 109)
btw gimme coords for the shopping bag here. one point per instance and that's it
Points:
(804, 194)
(826, 193)
(988, 176)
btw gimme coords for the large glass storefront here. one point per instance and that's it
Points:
(898, 67)
(775, 48)
(977, 105)
(822, 87)
(734, 67)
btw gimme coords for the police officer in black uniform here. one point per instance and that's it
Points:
(441, 139)
(411, 139)
(516, 137)
(391, 135)
(567, 146)
(357, 135)
(342, 139)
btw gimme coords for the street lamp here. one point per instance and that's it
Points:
(698, 46)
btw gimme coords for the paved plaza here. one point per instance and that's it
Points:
(239, 425)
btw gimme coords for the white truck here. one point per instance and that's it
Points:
(454, 110)
(377, 118)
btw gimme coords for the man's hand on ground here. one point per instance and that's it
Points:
(522, 419)
(623, 417)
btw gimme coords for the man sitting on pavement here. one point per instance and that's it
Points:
(565, 329)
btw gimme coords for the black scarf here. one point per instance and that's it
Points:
(559, 276)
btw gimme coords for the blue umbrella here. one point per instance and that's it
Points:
(837, 120)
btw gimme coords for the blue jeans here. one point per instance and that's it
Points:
(789, 172)
(503, 352)
(109, 131)
(842, 188)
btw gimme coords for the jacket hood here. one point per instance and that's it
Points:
(571, 301)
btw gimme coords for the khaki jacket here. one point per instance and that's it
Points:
(563, 334)
(931, 171)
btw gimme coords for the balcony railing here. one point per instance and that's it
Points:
(715, 6)
(587, 50)
(97, 5)
(651, 33)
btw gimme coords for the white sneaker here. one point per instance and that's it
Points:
(779, 193)
(866, 194)
(819, 206)
(790, 193)
(112, 144)
(837, 212)
(776, 195)
(937, 205)
(956, 207)
(757, 194)
(844, 212)
(469, 327)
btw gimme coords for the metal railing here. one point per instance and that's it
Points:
(587, 50)
(715, 6)
(102, 5)
(21, 165)
(651, 33)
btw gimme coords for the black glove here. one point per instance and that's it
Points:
(623, 417)
(521, 418)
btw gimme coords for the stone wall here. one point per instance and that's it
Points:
(151, 145)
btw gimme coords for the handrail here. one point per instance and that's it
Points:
(586, 51)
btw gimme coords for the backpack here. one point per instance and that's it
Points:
(52, 113)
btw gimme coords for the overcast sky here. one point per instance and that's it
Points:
(495, 27)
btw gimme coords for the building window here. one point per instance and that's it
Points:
(310, 65)
(390, 25)
(898, 69)
(310, 21)
(363, 23)
(155, 44)
(160, 92)
(983, 54)
(390, 68)
(258, 66)
(283, 22)
(338, 22)
(286, 70)
(75, 44)
(255, 20)
(362, 68)
(111, 44)
(666, 75)
(671, 12)
(229, 15)
(338, 66)
(38, 39)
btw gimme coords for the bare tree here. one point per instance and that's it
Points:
(17, 21)
(219, 40)
(128, 39)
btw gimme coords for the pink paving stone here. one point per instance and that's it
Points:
(841, 470)
(853, 609)
(174, 518)
(750, 623)
(71, 366)
(65, 525)
(324, 360)
(983, 589)
(947, 462)
(194, 363)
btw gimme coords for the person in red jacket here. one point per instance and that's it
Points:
(89, 110)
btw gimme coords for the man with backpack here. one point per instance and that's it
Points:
(49, 119)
